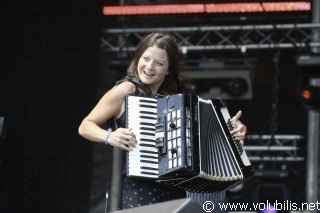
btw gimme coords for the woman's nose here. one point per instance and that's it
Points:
(149, 65)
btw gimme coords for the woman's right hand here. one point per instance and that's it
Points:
(123, 138)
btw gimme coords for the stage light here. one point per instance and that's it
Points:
(153, 9)
(286, 6)
(254, 7)
(236, 86)
(269, 210)
(234, 8)
(306, 94)
(227, 84)
(311, 97)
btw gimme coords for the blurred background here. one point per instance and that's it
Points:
(59, 58)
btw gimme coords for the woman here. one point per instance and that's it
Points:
(156, 65)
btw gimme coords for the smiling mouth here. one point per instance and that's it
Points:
(147, 74)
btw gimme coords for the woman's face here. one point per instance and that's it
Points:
(153, 67)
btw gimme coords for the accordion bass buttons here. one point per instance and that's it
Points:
(172, 125)
(236, 142)
(229, 125)
(174, 150)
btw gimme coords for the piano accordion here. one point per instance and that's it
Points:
(185, 141)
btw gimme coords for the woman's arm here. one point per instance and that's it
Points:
(110, 105)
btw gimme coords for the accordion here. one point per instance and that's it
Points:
(185, 141)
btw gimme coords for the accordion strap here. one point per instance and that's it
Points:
(138, 84)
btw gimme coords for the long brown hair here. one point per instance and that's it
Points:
(174, 82)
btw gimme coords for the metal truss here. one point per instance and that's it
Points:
(279, 148)
(212, 38)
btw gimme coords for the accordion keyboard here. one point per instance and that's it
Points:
(141, 117)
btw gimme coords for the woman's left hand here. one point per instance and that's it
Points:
(239, 131)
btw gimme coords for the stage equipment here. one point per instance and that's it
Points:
(275, 156)
(185, 141)
(227, 84)
(276, 148)
(217, 38)
(311, 97)
(308, 61)
(275, 197)
(310, 69)
(309, 66)
(178, 206)
(279, 165)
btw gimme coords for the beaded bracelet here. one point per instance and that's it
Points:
(107, 137)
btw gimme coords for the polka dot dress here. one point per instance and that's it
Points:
(137, 193)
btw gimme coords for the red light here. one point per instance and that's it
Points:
(234, 8)
(154, 9)
(306, 94)
(286, 6)
(311, 97)
(207, 8)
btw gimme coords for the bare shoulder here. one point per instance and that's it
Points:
(114, 98)
(125, 88)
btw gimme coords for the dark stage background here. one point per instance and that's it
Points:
(49, 59)
(53, 72)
